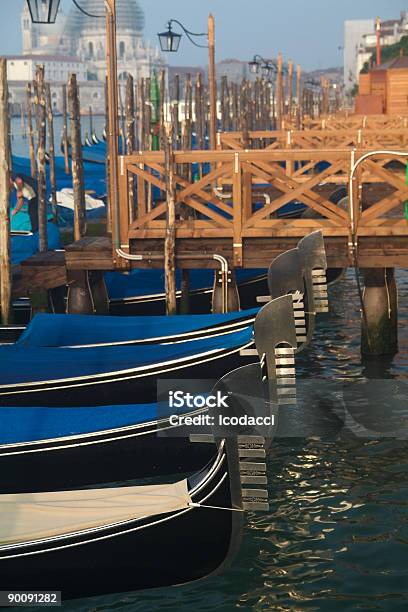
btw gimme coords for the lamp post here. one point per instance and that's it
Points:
(170, 42)
(270, 68)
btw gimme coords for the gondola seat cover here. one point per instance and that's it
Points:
(29, 517)
(23, 365)
(26, 424)
(73, 330)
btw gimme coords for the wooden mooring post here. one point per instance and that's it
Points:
(279, 97)
(41, 161)
(30, 131)
(5, 255)
(380, 321)
(51, 152)
(79, 291)
(77, 163)
(170, 238)
(65, 128)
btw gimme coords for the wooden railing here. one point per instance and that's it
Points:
(339, 122)
(316, 138)
(226, 196)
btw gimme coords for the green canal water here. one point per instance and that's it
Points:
(336, 536)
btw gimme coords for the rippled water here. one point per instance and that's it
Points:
(336, 537)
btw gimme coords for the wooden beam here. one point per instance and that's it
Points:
(5, 252)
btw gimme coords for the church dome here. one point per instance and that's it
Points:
(130, 16)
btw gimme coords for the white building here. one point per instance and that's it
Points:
(76, 44)
(57, 69)
(77, 35)
(354, 32)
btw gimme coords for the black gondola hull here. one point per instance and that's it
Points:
(138, 387)
(172, 549)
(104, 457)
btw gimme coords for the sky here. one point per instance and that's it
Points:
(308, 32)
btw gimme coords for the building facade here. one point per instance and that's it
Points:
(76, 44)
(360, 40)
(354, 32)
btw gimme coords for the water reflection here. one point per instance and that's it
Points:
(336, 536)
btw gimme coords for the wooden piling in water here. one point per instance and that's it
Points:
(170, 237)
(65, 129)
(5, 254)
(175, 115)
(22, 122)
(380, 321)
(162, 90)
(41, 161)
(130, 133)
(51, 152)
(91, 128)
(299, 99)
(279, 93)
(77, 162)
(30, 130)
(199, 116)
(122, 129)
(130, 116)
(107, 166)
(186, 142)
(290, 88)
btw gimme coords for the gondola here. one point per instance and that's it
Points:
(75, 330)
(96, 541)
(58, 448)
(125, 538)
(103, 375)
(142, 291)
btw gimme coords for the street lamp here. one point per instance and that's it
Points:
(268, 69)
(43, 11)
(170, 42)
(259, 62)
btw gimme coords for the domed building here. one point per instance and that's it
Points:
(84, 37)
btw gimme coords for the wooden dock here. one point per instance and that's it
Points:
(221, 205)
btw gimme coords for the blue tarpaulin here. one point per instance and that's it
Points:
(71, 330)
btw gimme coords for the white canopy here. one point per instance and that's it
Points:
(65, 198)
(32, 516)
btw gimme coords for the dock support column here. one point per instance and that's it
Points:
(380, 335)
(79, 293)
(99, 292)
(225, 292)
